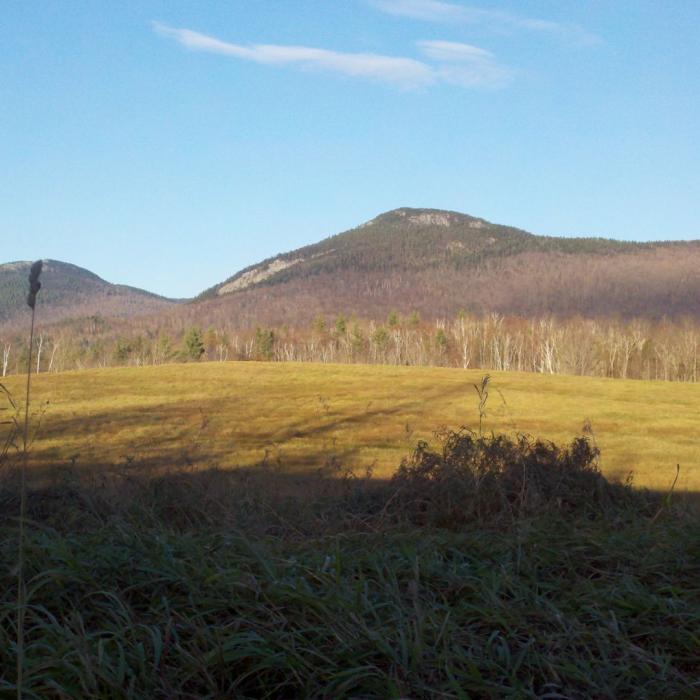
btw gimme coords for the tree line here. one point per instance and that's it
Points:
(637, 348)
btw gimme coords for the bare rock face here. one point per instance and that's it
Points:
(431, 219)
(425, 217)
(258, 274)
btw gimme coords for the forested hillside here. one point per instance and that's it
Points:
(439, 263)
(412, 240)
(69, 291)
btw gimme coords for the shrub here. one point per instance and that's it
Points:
(491, 478)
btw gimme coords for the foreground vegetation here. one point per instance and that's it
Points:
(302, 415)
(486, 568)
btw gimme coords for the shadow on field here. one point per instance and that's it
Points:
(167, 437)
(466, 480)
(173, 434)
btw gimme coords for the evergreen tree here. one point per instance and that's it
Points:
(123, 350)
(381, 338)
(357, 339)
(341, 325)
(194, 345)
(441, 340)
(264, 343)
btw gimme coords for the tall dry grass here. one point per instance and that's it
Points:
(34, 287)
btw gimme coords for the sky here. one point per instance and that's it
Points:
(168, 144)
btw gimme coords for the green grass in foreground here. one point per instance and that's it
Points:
(159, 602)
(239, 414)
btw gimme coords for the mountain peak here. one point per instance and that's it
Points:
(425, 217)
(406, 238)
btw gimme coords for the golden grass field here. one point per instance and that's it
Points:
(240, 414)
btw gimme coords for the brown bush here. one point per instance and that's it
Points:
(490, 478)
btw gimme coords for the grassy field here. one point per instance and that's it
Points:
(506, 570)
(242, 414)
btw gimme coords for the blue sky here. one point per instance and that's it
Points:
(169, 144)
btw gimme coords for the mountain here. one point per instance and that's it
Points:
(434, 262)
(439, 262)
(409, 239)
(70, 291)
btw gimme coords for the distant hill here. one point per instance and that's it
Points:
(70, 291)
(410, 240)
(426, 260)
(438, 262)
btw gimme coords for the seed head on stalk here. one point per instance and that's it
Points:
(34, 284)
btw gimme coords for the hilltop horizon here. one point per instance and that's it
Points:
(432, 261)
(378, 218)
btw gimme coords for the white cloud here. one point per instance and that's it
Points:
(450, 62)
(454, 51)
(466, 65)
(404, 72)
(440, 11)
(430, 10)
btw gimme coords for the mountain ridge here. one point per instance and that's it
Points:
(436, 262)
(69, 290)
(439, 262)
(471, 240)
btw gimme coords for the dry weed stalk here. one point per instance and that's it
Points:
(34, 287)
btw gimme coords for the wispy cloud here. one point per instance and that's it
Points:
(404, 72)
(466, 65)
(449, 62)
(440, 11)
(430, 10)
